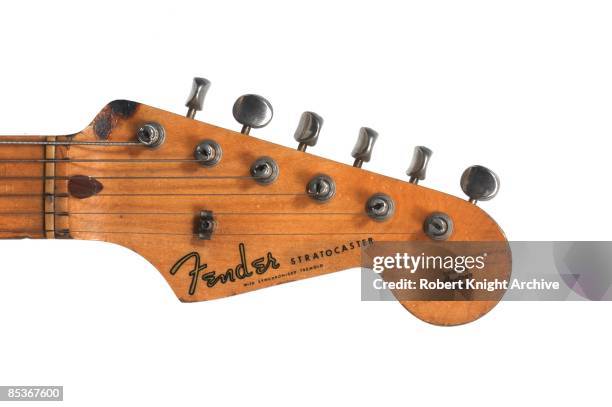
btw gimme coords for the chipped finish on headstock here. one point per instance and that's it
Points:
(107, 119)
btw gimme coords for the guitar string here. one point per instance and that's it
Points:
(192, 214)
(64, 213)
(40, 231)
(61, 213)
(73, 143)
(124, 194)
(67, 178)
(105, 160)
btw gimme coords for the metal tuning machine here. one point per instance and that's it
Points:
(418, 166)
(479, 183)
(252, 111)
(362, 152)
(307, 132)
(195, 101)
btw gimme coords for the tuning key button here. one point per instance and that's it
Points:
(362, 152)
(479, 183)
(195, 101)
(418, 166)
(307, 132)
(253, 112)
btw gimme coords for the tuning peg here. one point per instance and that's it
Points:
(418, 166)
(253, 112)
(195, 101)
(307, 132)
(479, 183)
(362, 152)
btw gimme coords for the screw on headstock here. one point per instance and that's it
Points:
(418, 166)
(205, 225)
(479, 183)
(195, 101)
(252, 111)
(362, 152)
(307, 132)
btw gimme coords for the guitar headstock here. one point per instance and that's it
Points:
(219, 212)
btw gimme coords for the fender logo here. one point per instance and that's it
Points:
(241, 271)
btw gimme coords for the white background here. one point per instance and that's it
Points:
(521, 86)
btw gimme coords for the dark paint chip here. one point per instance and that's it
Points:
(105, 121)
(103, 125)
(123, 108)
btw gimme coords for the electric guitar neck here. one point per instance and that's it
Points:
(219, 212)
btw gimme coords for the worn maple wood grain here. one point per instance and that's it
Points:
(21, 200)
(278, 224)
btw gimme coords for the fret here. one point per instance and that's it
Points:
(49, 190)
